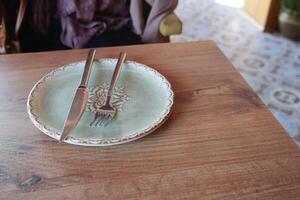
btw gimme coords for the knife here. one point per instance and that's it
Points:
(80, 99)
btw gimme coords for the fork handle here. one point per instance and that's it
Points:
(115, 76)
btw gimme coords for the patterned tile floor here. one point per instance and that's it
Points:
(269, 63)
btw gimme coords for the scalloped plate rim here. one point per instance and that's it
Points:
(54, 134)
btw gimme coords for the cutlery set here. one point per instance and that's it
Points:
(103, 115)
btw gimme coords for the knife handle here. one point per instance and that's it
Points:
(87, 68)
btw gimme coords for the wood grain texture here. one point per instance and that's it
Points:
(220, 142)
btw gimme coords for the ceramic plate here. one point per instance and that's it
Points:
(143, 98)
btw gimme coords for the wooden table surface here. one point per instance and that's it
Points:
(220, 142)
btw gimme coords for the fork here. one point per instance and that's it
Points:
(107, 112)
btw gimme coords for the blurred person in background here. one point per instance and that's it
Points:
(64, 24)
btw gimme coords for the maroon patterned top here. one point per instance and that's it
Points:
(84, 19)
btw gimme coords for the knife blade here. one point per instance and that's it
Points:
(80, 99)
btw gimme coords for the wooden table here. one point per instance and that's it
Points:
(220, 142)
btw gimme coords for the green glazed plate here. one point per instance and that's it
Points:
(143, 98)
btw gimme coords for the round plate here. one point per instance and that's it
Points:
(143, 99)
